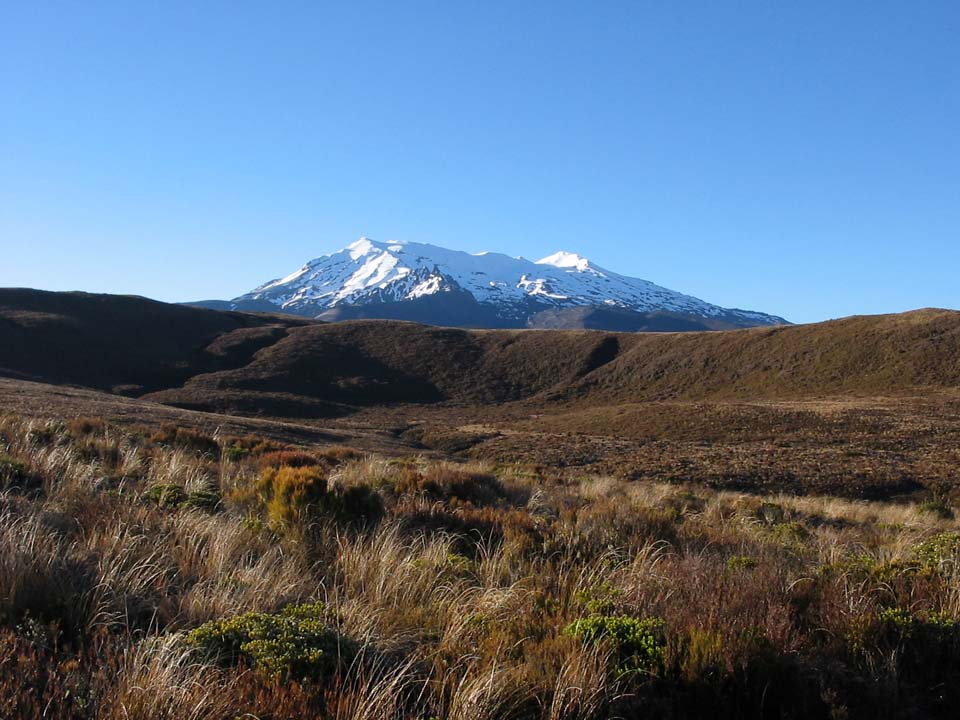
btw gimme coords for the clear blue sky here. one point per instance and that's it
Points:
(800, 158)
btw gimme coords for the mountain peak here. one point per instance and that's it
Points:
(564, 259)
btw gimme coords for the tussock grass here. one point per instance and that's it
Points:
(481, 592)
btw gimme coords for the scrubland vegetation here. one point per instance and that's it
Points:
(165, 573)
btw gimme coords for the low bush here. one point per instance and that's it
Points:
(14, 474)
(937, 507)
(931, 554)
(167, 494)
(639, 643)
(292, 495)
(286, 458)
(741, 562)
(298, 643)
(187, 439)
(206, 499)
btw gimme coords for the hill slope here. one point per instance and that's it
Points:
(278, 365)
(124, 344)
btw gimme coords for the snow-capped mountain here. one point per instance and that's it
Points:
(416, 281)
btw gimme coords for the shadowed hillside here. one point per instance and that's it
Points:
(125, 344)
(252, 363)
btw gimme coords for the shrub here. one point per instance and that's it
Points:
(85, 426)
(287, 458)
(181, 437)
(703, 654)
(935, 551)
(741, 562)
(790, 533)
(290, 492)
(208, 500)
(294, 494)
(771, 513)
(600, 599)
(167, 494)
(14, 474)
(338, 454)
(238, 448)
(938, 508)
(171, 495)
(684, 502)
(296, 643)
(901, 622)
(639, 643)
(234, 453)
(443, 482)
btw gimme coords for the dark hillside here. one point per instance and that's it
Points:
(124, 344)
(284, 366)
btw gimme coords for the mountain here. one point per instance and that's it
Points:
(434, 285)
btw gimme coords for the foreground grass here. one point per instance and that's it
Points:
(168, 574)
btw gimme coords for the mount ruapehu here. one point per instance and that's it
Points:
(430, 284)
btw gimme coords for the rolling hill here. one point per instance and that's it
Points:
(286, 366)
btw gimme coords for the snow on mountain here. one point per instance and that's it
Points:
(368, 272)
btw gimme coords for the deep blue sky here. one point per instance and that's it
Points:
(800, 158)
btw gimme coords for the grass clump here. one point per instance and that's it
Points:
(639, 643)
(296, 643)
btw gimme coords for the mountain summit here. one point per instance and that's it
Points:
(431, 284)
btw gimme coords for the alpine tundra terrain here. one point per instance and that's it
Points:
(222, 514)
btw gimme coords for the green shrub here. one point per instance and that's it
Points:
(600, 599)
(927, 636)
(935, 551)
(901, 622)
(167, 494)
(14, 474)
(741, 562)
(238, 448)
(702, 654)
(298, 642)
(171, 495)
(234, 453)
(208, 500)
(639, 643)
(938, 508)
(790, 533)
